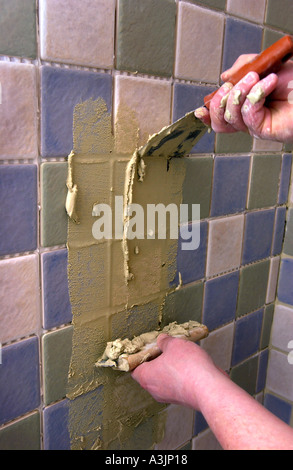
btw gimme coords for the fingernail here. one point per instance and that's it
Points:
(249, 78)
(200, 112)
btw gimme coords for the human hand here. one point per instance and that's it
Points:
(178, 374)
(260, 107)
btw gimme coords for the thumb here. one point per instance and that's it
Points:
(163, 340)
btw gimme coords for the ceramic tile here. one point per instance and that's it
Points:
(124, 325)
(250, 9)
(197, 184)
(56, 359)
(18, 194)
(258, 235)
(192, 263)
(285, 178)
(220, 300)
(252, 287)
(220, 4)
(178, 427)
(282, 327)
(288, 242)
(18, 28)
(267, 326)
(19, 379)
(278, 407)
(219, 345)
(53, 196)
(142, 108)
(225, 244)
(233, 143)
(264, 181)
(285, 288)
(18, 111)
(93, 24)
(241, 37)
(19, 300)
(262, 371)
(146, 36)
(200, 423)
(245, 375)
(270, 37)
(61, 90)
(279, 230)
(247, 336)
(266, 146)
(196, 23)
(230, 185)
(291, 194)
(273, 279)
(56, 429)
(187, 98)
(183, 305)
(279, 14)
(88, 402)
(23, 434)
(205, 441)
(279, 375)
(57, 308)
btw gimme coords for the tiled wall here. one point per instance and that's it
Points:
(167, 54)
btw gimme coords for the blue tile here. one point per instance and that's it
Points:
(279, 231)
(230, 185)
(285, 178)
(220, 300)
(262, 370)
(192, 263)
(56, 432)
(18, 209)
(19, 379)
(247, 336)
(200, 423)
(258, 235)
(278, 407)
(241, 37)
(61, 91)
(285, 287)
(57, 307)
(187, 98)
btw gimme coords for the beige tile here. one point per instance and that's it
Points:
(249, 9)
(205, 441)
(279, 375)
(142, 108)
(178, 427)
(219, 345)
(225, 244)
(198, 52)
(78, 32)
(282, 329)
(19, 297)
(18, 111)
(266, 146)
(273, 278)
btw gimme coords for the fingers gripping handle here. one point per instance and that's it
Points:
(268, 61)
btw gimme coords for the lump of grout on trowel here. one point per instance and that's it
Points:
(174, 329)
(113, 349)
(149, 337)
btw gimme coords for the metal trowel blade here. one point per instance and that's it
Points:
(175, 140)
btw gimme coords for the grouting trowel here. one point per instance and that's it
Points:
(180, 137)
(176, 141)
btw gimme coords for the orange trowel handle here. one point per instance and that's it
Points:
(269, 61)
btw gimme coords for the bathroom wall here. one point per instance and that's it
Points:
(154, 60)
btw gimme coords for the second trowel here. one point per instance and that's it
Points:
(179, 138)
